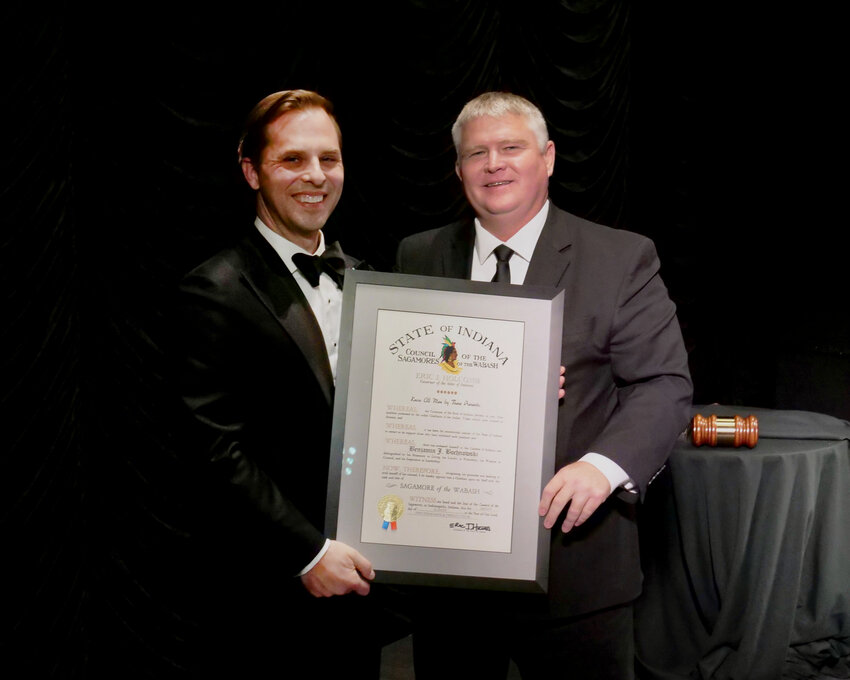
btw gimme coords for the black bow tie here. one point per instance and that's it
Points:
(331, 262)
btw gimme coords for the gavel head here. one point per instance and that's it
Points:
(724, 431)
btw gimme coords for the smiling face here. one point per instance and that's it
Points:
(505, 174)
(299, 177)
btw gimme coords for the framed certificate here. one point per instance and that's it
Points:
(444, 429)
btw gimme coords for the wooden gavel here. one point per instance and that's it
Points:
(724, 431)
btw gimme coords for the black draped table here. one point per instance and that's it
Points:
(747, 555)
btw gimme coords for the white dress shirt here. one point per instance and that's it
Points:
(325, 301)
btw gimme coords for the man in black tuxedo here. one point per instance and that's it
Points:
(260, 325)
(628, 392)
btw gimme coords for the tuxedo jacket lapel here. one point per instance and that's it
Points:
(270, 281)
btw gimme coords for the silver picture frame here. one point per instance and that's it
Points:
(444, 429)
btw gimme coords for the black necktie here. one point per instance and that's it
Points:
(503, 269)
(330, 262)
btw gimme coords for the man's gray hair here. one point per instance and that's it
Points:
(497, 104)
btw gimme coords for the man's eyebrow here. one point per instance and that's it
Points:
(302, 152)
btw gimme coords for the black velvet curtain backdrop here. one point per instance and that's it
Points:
(120, 174)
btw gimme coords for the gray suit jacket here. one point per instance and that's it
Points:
(627, 382)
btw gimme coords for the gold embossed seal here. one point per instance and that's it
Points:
(390, 508)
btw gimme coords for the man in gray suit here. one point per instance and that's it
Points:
(628, 393)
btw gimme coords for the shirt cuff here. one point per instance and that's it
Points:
(316, 559)
(616, 476)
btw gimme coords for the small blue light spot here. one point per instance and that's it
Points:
(351, 450)
(349, 460)
(348, 470)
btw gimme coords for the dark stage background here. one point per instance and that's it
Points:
(698, 126)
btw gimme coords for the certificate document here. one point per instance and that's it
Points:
(444, 429)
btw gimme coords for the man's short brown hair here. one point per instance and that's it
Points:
(269, 109)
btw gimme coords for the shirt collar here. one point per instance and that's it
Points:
(284, 247)
(522, 243)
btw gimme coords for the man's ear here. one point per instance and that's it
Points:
(250, 173)
(549, 157)
(458, 171)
